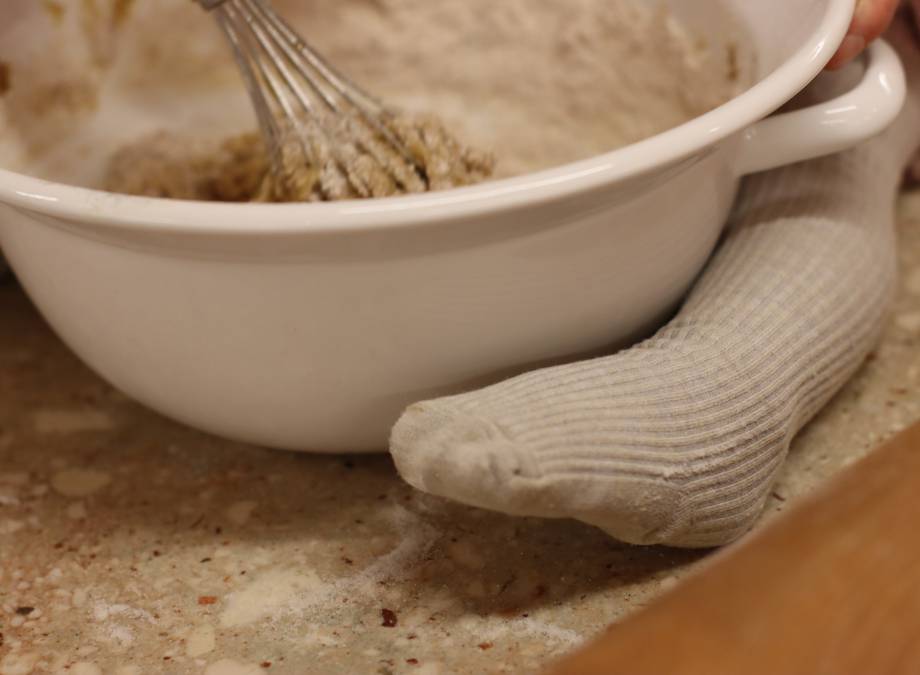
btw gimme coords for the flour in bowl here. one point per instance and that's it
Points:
(534, 83)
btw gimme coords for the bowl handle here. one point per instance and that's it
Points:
(833, 125)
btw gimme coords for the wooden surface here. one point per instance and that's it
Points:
(832, 587)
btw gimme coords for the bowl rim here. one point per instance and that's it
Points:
(79, 205)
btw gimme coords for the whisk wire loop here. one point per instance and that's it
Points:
(293, 88)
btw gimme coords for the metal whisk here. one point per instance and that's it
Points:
(312, 116)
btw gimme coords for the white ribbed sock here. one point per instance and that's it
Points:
(678, 440)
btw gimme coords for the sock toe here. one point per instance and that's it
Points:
(464, 457)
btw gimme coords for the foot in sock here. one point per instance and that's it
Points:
(678, 440)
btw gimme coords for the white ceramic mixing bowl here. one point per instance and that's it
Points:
(311, 327)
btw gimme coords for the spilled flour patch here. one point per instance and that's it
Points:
(117, 622)
(274, 591)
(548, 632)
(296, 591)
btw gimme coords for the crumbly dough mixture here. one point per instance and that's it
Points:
(351, 159)
(184, 167)
(345, 159)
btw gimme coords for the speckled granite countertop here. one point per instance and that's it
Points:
(129, 544)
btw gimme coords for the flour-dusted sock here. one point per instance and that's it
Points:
(678, 440)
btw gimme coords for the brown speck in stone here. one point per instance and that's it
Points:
(243, 572)
(207, 599)
(4, 77)
(24, 611)
(218, 530)
(412, 662)
(525, 615)
(381, 497)
(389, 618)
(540, 592)
(411, 637)
(358, 521)
(485, 645)
(120, 10)
(348, 464)
(156, 554)
(348, 561)
(266, 664)
(167, 658)
(1, 639)
(204, 560)
(59, 545)
(778, 496)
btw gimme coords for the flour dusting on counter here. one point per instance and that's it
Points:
(142, 585)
